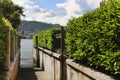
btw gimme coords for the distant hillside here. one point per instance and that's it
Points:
(34, 25)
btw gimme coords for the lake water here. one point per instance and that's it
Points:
(26, 56)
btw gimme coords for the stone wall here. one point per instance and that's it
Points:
(50, 63)
(76, 71)
(14, 68)
(12, 72)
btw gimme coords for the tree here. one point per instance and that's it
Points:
(11, 11)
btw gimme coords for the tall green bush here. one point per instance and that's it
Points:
(4, 25)
(94, 38)
(47, 38)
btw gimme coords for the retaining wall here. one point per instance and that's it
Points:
(80, 72)
(12, 72)
(50, 62)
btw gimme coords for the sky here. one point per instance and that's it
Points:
(55, 11)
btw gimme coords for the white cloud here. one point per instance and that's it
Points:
(76, 8)
(94, 3)
(21, 2)
(73, 8)
(38, 14)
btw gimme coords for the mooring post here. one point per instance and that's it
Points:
(37, 53)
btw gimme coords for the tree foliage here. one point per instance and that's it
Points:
(9, 18)
(11, 11)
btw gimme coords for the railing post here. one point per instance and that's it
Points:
(37, 53)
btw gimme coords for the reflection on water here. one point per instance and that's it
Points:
(26, 53)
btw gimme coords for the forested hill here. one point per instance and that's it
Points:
(34, 25)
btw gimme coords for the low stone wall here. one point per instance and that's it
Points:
(79, 72)
(14, 68)
(51, 64)
(12, 72)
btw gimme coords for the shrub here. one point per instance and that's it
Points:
(4, 23)
(47, 39)
(94, 38)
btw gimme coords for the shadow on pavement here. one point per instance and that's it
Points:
(26, 74)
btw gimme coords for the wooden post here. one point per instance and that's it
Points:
(12, 54)
(18, 47)
(15, 45)
(14, 42)
(62, 54)
(7, 61)
(37, 53)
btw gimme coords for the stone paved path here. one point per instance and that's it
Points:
(41, 75)
(31, 74)
(26, 74)
(26, 71)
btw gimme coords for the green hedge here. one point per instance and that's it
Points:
(47, 39)
(3, 37)
(4, 25)
(94, 38)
